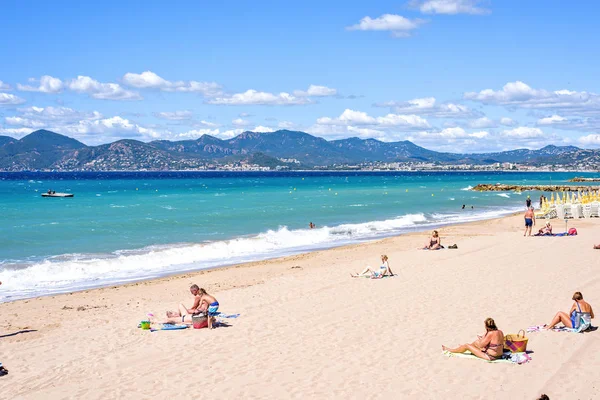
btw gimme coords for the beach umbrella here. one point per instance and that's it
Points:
(552, 198)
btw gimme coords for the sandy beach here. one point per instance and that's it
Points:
(307, 329)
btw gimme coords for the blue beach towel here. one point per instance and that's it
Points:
(223, 315)
(172, 327)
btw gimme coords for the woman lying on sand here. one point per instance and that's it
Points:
(434, 242)
(580, 309)
(384, 269)
(489, 347)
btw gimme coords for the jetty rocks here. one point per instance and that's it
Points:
(581, 179)
(500, 187)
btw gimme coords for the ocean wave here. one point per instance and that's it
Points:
(503, 195)
(467, 188)
(69, 272)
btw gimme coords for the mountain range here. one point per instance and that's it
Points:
(46, 150)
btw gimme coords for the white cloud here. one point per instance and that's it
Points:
(15, 132)
(150, 80)
(263, 129)
(449, 7)
(103, 91)
(47, 84)
(19, 121)
(240, 122)
(286, 125)
(7, 99)
(352, 117)
(398, 25)
(253, 97)
(316, 91)
(4, 86)
(429, 106)
(519, 94)
(523, 132)
(452, 133)
(245, 115)
(227, 134)
(57, 114)
(507, 121)
(554, 119)
(590, 140)
(174, 115)
(483, 122)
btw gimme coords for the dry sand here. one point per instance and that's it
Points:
(309, 330)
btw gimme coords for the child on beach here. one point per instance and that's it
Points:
(384, 269)
(211, 304)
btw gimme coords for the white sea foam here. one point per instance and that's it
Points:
(503, 195)
(467, 188)
(70, 272)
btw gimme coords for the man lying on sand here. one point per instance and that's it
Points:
(185, 314)
(580, 315)
(489, 347)
(383, 270)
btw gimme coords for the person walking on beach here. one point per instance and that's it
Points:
(529, 221)
(489, 347)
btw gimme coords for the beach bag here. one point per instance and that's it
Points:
(572, 232)
(516, 343)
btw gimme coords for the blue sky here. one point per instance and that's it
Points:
(450, 75)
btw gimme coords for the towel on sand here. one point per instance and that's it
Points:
(507, 357)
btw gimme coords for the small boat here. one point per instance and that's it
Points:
(56, 194)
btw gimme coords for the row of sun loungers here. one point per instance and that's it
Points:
(564, 211)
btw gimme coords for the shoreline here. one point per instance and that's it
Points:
(292, 253)
(307, 329)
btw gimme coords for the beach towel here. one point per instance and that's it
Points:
(507, 357)
(172, 327)
(223, 315)
(540, 328)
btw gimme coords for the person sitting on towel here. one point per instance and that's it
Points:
(546, 230)
(383, 270)
(489, 347)
(570, 320)
(434, 242)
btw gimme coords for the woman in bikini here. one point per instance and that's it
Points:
(579, 309)
(434, 242)
(489, 347)
(383, 270)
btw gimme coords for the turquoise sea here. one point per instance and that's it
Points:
(122, 227)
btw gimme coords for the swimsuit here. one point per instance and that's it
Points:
(212, 308)
(528, 222)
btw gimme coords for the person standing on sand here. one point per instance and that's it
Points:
(529, 221)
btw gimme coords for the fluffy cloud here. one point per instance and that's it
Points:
(483, 122)
(7, 99)
(554, 119)
(429, 106)
(240, 122)
(352, 117)
(150, 80)
(507, 121)
(519, 94)
(174, 115)
(15, 132)
(253, 97)
(57, 114)
(4, 86)
(398, 25)
(590, 140)
(316, 91)
(452, 133)
(449, 6)
(523, 132)
(46, 84)
(103, 91)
